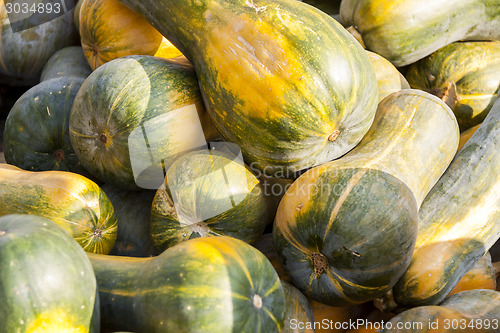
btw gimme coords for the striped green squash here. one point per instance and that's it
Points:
(281, 79)
(459, 219)
(208, 193)
(214, 284)
(465, 74)
(69, 61)
(36, 135)
(345, 230)
(298, 311)
(46, 281)
(72, 201)
(133, 115)
(405, 31)
(389, 79)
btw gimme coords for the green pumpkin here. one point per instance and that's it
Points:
(345, 230)
(133, 115)
(298, 311)
(208, 193)
(46, 281)
(214, 284)
(465, 74)
(36, 134)
(280, 78)
(69, 61)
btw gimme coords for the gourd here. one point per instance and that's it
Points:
(36, 134)
(46, 281)
(389, 79)
(70, 200)
(406, 31)
(109, 30)
(345, 230)
(480, 276)
(208, 192)
(298, 311)
(280, 79)
(466, 135)
(69, 61)
(465, 74)
(133, 116)
(214, 284)
(459, 219)
(26, 49)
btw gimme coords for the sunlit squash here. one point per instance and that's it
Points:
(133, 116)
(405, 31)
(458, 221)
(345, 230)
(281, 79)
(465, 74)
(36, 134)
(480, 276)
(72, 201)
(207, 193)
(389, 79)
(69, 61)
(46, 281)
(212, 285)
(23, 53)
(110, 30)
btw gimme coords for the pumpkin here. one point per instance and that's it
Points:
(69, 61)
(466, 312)
(389, 79)
(206, 193)
(24, 52)
(46, 281)
(405, 31)
(281, 79)
(466, 135)
(480, 276)
(76, 15)
(459, 219)
(298, 311)
(330, 319)
(214, 284)
(133, 212)
(109, 30)
(72, 201)
(36, 135)
(465, 74)
(133, 115)
(345, 230)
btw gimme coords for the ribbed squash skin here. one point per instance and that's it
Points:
(281, 79)
(345, 230)
(465, 312)
(133, 115)
(480, 276)
(298, 310)
(207, 193)
(466, 74)
(214, 284)
(389, 79)
(69, 61)
(72, 201)
(46, 281)
(133, 213)
(36, 134)
(405, 31)
(23, 54)
(459, 219)
(109, 30)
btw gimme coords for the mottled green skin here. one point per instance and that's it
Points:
(458, 218)
(36, 135)
(133, 212)
(297, 309)
(134, 97)
(301, 76)
(225, 199)
(474, 69)
(72, 201)
(23, 54)
(44, 272)
(369, 243)
(405, 31)
(69, 61)
(202, 285)
(471, 310)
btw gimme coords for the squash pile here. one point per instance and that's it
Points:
(250, 166)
